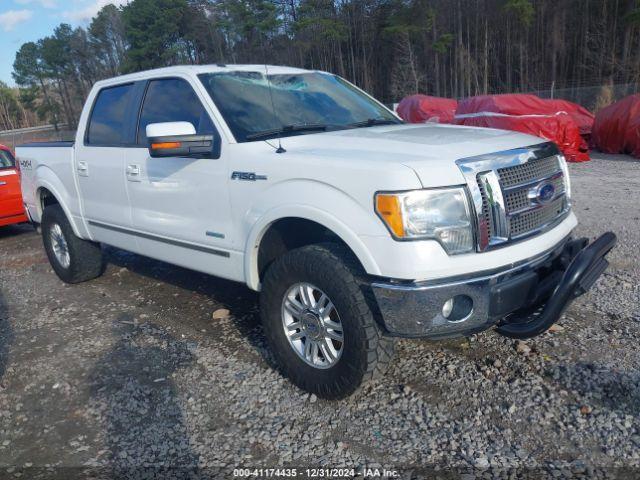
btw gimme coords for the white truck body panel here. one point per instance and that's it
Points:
(52, 169)
(191, 213)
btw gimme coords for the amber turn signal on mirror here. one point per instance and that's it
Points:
(165, 145)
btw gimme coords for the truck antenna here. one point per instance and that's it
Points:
(280, 149)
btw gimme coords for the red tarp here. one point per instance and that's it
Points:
(422, 108)
(633, 135)
(583, 117)
(617, 127)
(526, 114)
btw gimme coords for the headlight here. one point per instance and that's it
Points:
(565, 172)
(441, 214)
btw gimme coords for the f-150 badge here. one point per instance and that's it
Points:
(248, 176)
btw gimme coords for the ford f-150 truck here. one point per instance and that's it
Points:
(354, 227)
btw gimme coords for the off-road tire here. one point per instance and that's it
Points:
(86, 260)
(333, 269)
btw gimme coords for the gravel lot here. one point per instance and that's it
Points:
(130, 376)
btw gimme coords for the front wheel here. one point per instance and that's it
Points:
(319, 323)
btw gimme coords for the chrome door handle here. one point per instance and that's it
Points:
(133, 173)
(83, 169)
(2, 183)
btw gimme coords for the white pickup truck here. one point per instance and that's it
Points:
(355, 227)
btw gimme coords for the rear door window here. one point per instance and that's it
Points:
(173, 100)
(6, 159)
(109, 121)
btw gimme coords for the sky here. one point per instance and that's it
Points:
(24, 21)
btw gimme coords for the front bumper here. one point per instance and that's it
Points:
(526, 299)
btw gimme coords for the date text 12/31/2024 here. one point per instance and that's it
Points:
(312, 473)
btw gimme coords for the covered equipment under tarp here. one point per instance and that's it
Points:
(583, 117)
(617, 127)
(527, 114)
(423, 108)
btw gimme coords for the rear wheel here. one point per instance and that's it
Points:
(319, 323)
(73, 259)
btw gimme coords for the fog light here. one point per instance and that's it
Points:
(447, 308)
(458, 308)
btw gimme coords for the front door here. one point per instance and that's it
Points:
(180, 206)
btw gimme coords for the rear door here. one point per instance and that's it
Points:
(10, 194)
(100, 164)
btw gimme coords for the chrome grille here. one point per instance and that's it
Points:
(530, 220)
(486, 227)
(511, 193)
(532, 170)
(516, 200)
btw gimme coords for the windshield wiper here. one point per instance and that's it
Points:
(370, 122)
(302, 127)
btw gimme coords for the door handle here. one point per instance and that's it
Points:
(2, 183)
(83, 169)
(133, 172)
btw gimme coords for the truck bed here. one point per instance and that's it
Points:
(54, 164)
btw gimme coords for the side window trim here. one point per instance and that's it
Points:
(147, 82)
(129, 118)
(136, 108)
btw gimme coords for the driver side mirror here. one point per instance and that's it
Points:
(179, 139)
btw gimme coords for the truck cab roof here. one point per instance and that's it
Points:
(198, 69)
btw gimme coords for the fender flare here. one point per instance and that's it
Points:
(51, 183)
(305, 212)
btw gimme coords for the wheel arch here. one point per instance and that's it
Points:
(311, 225)
(47, 194)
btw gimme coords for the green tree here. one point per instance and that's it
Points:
(29, 71)
(87, 69)
(201, 32)
(520, 16)
(107, 38)
(11, 112)
(633, 17)
(320, 33)
(152, 29)
(389, 47)
(248, 27)
(523, 10)
(58, 63)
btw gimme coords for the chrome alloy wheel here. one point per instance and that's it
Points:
(312, 325)
(59, 245)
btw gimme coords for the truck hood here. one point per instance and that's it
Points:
(429, 149)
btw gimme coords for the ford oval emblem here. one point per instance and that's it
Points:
(546, 192)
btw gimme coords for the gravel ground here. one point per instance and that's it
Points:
(130, 376)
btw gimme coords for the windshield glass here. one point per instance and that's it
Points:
(317, 101)
(6, 159)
